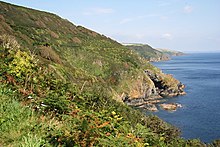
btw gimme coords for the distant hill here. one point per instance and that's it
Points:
(147, 52)
(153, 54)
(170, 52)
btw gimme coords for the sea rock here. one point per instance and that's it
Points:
(134, 101)
(170, 106)
(149, 107)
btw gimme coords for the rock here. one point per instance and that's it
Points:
(150, 107)
(182, 93)
(170, 106)
(181, 86)
(152, 97)
(164, 90)
(155, 101)
(148, 93)
(134, 101)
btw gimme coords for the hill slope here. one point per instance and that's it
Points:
(86, 58)
(170, 52)
(62, 85)
(152, 54)
(148, 52)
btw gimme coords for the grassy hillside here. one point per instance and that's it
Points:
(63, 85)
(170, 52)
(148, 52)
(152, 54)
(39, 109)
(76, 53)
(79, 55)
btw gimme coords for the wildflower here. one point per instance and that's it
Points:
(30, 97)
(113, 113)
(43, 105)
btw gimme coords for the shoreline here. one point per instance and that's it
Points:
(159, 94)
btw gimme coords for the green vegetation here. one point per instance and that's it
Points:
(79, 55)
(170, 52)
(55, 113)
(62, 85)
(152, 54)
(148, 52)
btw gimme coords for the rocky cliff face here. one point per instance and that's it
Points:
(161, 85)
(165, 88)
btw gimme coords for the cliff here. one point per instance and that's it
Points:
(63, 85)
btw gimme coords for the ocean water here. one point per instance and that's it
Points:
(200, 115)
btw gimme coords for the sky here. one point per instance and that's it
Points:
(183, 25)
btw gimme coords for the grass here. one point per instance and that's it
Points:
(58, 91)
(19, 125)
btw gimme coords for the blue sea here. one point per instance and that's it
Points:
(200, 115)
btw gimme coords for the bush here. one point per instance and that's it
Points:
(56, 103)
(48, 53)
(22, 65)
(9, 42)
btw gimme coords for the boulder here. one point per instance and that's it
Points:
(150, 107)
(170, 106)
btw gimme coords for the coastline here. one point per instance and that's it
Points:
(158, 94)
(199, 116)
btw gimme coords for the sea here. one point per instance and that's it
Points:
(200, 115)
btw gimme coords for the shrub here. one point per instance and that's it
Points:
(48, 53)
(56, 103)
(22, 65)
(9, 42)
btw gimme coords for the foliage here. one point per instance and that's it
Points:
(148, 52)
(54, 102)
(8, 42)
(65, 98)
(81, 118)
(151, 54)
(22, 64)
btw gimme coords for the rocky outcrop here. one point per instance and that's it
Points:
(160, 58)
(150, 107)
(170, 106)
(166, 85)
(162, 85)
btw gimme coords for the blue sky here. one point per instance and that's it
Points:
(184, 25)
